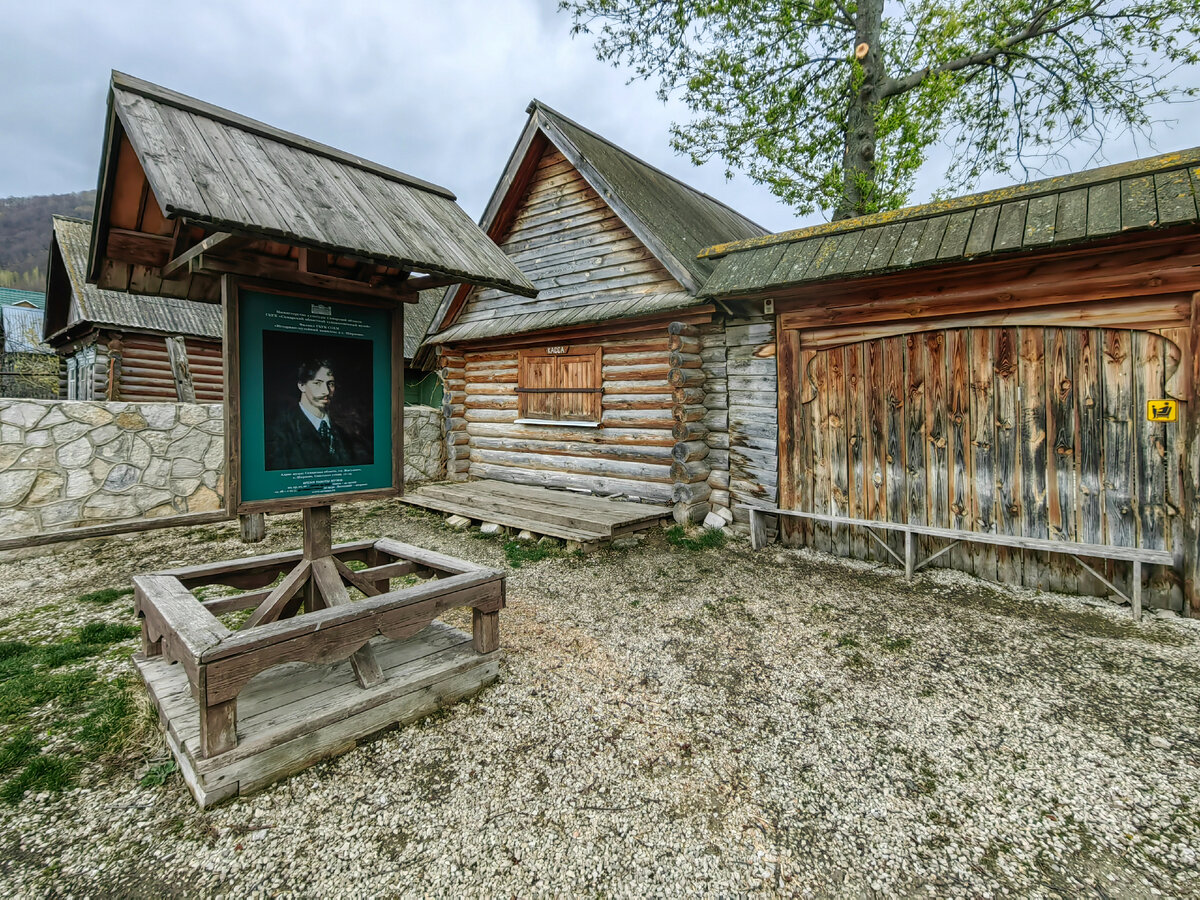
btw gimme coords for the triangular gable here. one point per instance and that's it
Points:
(673, 221)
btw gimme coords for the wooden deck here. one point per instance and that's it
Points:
(582, 518)
(293, 715)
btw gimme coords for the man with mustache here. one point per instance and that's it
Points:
(305, 436)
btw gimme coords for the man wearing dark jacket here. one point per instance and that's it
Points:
(305, 436)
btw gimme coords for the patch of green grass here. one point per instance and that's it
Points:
(847, 640)
(708, 539)
(158, 775)
(105, 596)
(895, 643)
(102, 717)
(857, 661)
(43, 773)
(17, 751)
(519, 552)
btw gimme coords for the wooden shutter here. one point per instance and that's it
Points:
(560, 387)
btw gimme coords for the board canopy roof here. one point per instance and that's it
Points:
(1070, 210)
(673, 220)
(189, 191)
(73, 304)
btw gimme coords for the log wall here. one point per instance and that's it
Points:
(752, 419)
(144, 368)
(630, 454)
(1018, 430)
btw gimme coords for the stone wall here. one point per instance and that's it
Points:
(65, 464)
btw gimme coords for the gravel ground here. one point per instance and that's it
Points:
(672, 722)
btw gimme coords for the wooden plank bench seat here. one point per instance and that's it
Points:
(1136, 555)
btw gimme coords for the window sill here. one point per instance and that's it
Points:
(557, 423)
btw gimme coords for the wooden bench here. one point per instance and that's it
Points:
(1137, 555)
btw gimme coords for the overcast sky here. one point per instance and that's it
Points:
(435, 89)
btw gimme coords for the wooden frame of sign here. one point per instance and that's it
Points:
(232, 289)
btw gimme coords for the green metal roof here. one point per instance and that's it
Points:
(12, 296)
(1157, 192)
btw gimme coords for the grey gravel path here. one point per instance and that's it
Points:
(673, 723)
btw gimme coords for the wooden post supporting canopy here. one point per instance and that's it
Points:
(1191, 473)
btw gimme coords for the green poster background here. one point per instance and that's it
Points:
(259, 312)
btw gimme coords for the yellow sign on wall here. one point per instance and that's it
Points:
(1162, 410)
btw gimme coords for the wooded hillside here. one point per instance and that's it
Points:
(25, 234)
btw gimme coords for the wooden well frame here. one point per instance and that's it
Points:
(177, 627)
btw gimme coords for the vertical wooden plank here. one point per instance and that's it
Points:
(915, 442)
(1191, 469)
(897, 476)
(1120, 485)
(789, 423)
(1032, 386)
(958, 421)
(1150, 457)
(875, 460)
(936, 440)
(1089, 447)
(838, 451)
(804, 443)
(1178, 383)
(856, 446)
(1060, 453)
(1009, 563)
(983, 447)
(821, 483)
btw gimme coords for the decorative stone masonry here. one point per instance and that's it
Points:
(65, 464)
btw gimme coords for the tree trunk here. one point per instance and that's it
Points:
(858, 163)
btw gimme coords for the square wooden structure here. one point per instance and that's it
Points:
(245, 708)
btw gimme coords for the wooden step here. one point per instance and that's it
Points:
(525, 509)
(507, 519)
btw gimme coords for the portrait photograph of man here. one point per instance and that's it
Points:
(318, 401)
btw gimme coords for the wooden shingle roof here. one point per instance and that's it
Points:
(221, 171)
(72, 300)
(672, 220)
(1088, 206)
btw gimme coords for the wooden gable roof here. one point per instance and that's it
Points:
(178, 174)
(651, 209)
(1077, 209)
(73, 302)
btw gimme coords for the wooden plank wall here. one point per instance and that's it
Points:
(1021, 430)
(630, 454)
(571, 244)
(752, 417)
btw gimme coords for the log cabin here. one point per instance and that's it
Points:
(116, 345)
(597, 384)
(995, 364)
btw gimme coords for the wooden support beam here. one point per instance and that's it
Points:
(425, 282)
(1191, 470)
(329, 583)
(184, 259)
(277, 602)
(137, 248)
(287, 270)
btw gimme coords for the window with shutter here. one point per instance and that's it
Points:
(559, 384)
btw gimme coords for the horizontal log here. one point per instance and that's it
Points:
(718, 459)
(655, 492)
(695, 492)
(684, 343)
(660, 436)
(650, 386)
(686, 377)
(716, 419)
(684, 330)
(604, 468)
(491, 401)
(636, 401)
(719, 498)
(689, 472)
(690, 513)
(636, 372)
(629, 452)
(689, 451)
(678, 360)
(688, 396)
(717, 439)
(688, 413)
(718, 479)
(716, 399)
(689, 431)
